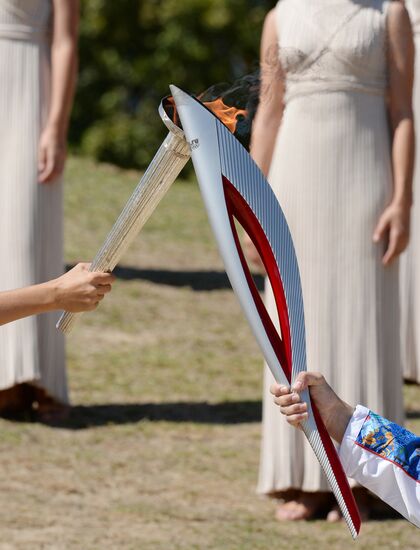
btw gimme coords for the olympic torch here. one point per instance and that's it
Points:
(234, 189)
(165, 167)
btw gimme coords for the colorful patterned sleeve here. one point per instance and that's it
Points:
(385, 458)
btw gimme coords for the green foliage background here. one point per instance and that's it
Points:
(131, 50)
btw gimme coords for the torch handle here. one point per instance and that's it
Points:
(165, 167)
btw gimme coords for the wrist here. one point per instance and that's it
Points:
(402, 201)
(339, 420)
(57, 129)
(52, 295)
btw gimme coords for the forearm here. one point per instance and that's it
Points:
(400, 53)
(338, 420)
(16, 304)
(63, 80)
(270, 110)
(335, 413)
(264, 134)
(403, 160)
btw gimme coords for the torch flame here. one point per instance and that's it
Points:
(227, 115)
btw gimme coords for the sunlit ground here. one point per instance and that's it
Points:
(161, 450)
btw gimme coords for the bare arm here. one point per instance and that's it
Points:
(63, 78)
(269, 113)
(394, 223)
(268, 117)
(77, 290)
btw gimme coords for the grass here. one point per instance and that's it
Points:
(162, 447)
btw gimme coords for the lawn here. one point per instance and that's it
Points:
(161, 449)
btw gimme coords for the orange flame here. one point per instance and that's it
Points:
(227, 115)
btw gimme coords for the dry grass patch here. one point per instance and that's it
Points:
(161, 450)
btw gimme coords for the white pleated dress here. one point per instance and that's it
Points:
(331, 172)
(410, 261)
(31, 350)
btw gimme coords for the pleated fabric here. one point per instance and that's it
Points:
(31, 235)
(331, 172)
(410, 261)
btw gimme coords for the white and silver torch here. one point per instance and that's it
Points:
(165, 167)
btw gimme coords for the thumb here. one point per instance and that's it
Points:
(84, 266)
(103, 278)
(306, 379)
(380, 229)
(42, 158)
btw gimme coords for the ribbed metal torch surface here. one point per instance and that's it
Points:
(165, 167)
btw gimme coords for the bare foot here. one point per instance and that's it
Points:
(334, 515)
(305, 507)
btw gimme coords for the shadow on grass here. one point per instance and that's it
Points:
(82, 417)
(196, 280)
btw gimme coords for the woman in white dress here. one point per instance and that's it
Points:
(342, 174)
(410, 261)
(38, 40)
